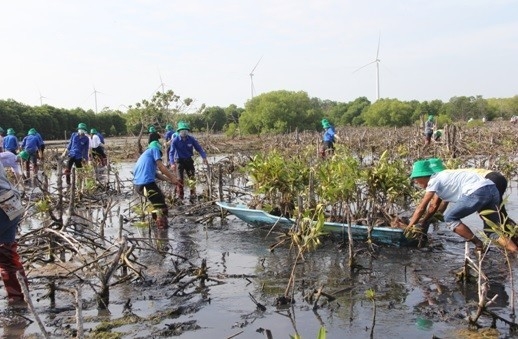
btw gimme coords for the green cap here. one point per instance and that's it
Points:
(156, 145)
(10, 131)
(183, 125)
(93, 131)
(169, 127)
(152, 129)
(430, 117)
(24, 155)
(325, 123)
(438, 133)
(420, 169)
(436, 165)
(82, 125)
(32, 131)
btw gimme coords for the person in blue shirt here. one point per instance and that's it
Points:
(153, 135)
(180, 157)
(32, 144)
(42, 143)
(170, 134)
(145, 175)
(11, 143)
(328, 140)
(78, 148)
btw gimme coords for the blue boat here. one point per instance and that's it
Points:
(379, 234)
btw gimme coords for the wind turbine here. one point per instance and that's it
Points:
(95, 95)
(377, 62)
(41, 98)
(162, 84)
(252, 89)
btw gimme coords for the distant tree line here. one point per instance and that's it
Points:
(273, 112)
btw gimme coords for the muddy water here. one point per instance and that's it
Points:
(416, 292)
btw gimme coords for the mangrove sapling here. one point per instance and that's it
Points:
(305, 236)
(508, 231)
(371, 295)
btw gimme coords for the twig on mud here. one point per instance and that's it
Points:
(28, 300)
(235, 335)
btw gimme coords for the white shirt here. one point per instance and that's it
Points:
(95, 141)
(450, 185)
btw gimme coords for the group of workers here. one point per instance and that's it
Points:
(13, 153)
(470, 190)
(180, 146)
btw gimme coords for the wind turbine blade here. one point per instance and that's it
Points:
(370, 63)
(257, 64)
(378, 51)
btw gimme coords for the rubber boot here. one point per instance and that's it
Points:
(179, 189)
(67, 176)
(161, 220)
(9, 265)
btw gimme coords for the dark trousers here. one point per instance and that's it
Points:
(185, 167)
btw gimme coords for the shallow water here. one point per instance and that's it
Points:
(416, 293)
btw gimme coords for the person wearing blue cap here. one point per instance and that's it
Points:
(145, 175)
(470, 193)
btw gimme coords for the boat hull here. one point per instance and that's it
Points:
(379, 235)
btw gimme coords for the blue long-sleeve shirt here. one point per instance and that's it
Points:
(11, 143)
(32, 143)
(329, 135)
(183, 148)
(78, 146)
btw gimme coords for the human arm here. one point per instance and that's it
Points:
(166, 174)
(200, 150)
(433, 207)
(421, 208)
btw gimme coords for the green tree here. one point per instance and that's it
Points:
(279, 112)
(215, 118)
(388, 112)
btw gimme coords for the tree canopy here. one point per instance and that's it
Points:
(273, 112)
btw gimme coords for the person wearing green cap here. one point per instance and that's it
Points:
(328, 139)
(497, 178)
(9, 160)
(97, 148)
(428, 130)
(11, 143)
(145, 175)
(31, 144)
(78, 148)
(181, 153)
(153, 134)
(468, 191)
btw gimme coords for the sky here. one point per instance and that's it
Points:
(115, 53)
